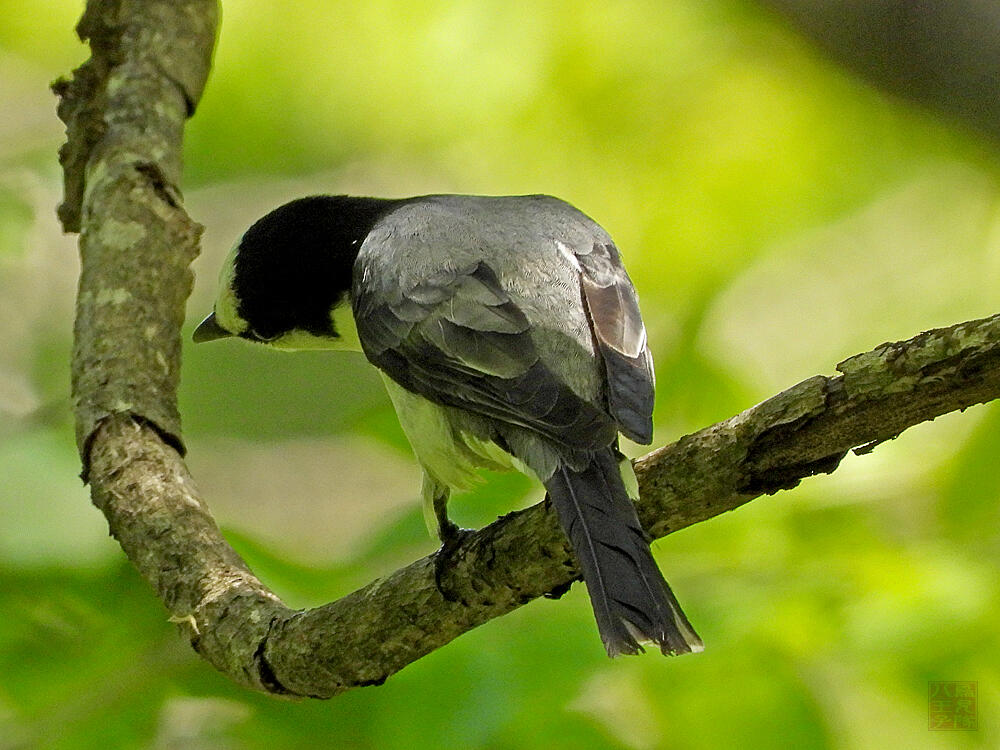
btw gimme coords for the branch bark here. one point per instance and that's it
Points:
(124, 111)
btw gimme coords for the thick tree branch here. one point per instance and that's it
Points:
(124, 112)
(142, 486)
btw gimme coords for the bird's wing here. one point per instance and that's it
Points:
(458, 339)
(613, 308)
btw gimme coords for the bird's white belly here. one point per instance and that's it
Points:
(448, 456)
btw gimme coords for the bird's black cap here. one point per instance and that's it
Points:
(294, 265)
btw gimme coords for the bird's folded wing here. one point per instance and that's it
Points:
(458, 339)
(613, 307)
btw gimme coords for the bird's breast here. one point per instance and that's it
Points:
(446, 452)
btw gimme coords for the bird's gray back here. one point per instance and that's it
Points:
(526, 240)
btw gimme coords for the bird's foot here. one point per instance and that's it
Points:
(452, 537)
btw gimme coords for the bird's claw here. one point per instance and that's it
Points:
(452, 537)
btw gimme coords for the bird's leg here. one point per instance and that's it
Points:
(451, 534)
(447, 530)
(436, 497)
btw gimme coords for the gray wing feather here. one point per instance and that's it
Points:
(459, 340)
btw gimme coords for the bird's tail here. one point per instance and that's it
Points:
(632, 603)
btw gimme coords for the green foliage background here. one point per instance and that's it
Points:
(776, 214)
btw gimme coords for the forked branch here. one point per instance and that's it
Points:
(124, 112)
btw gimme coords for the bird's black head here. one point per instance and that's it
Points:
(294, 266)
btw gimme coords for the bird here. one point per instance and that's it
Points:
(508, 335)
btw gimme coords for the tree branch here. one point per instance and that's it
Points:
(124, 111)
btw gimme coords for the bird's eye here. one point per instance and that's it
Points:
(261, 337)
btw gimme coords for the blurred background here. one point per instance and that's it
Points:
(778, 211)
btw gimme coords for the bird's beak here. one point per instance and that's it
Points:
(209, 330)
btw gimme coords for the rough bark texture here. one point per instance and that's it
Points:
(124, 111)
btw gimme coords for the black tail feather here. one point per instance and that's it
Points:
(631, 600)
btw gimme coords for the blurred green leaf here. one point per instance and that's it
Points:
(48, 518)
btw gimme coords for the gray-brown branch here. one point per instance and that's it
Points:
(124, 112)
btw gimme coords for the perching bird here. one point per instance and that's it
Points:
(508, 335)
